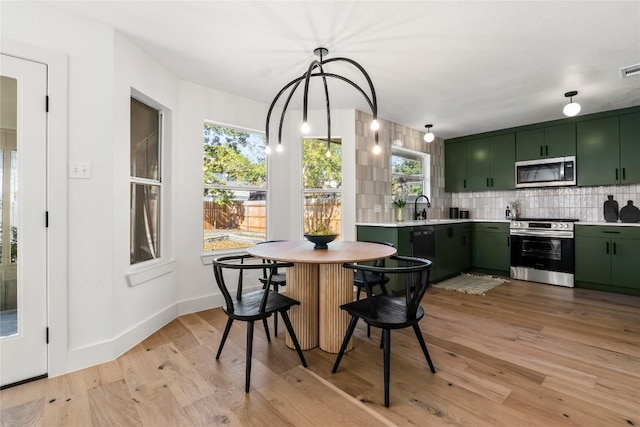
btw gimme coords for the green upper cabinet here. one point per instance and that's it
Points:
(491, 163)
(478, 164)
(598, 151)
(455, 167)
(630, 148)
(553, 141)
(503, 156)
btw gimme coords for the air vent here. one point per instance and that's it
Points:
(631, 70)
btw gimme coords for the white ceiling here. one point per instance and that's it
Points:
(465, 66)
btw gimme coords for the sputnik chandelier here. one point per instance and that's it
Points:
(316, 69)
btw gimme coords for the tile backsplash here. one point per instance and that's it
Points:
(583, 203)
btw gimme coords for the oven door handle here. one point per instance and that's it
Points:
(543, 233)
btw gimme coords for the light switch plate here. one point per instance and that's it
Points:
(377, 208)
(81, 170)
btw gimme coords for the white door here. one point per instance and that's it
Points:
(23, 233)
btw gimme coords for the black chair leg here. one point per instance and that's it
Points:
(266, 329)
(386, 337)
(418, 332)
(275, 315)
(343, 347)
(247, 375)
(224, 336)
(292, 334)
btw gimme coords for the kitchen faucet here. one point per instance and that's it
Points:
(415, 206)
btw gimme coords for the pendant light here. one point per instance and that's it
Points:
(317, 69)
(429, 136)
(572, 108)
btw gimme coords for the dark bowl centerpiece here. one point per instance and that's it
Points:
(321, 240)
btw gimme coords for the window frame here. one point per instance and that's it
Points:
(207, 256)
(157, 183)
(426, 168)
(338, 191)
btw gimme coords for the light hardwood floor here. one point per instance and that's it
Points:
(524, 354)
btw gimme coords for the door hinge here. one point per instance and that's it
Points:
(46, 104)
(46, 219)
(47, 335)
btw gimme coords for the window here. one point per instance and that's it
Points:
(146, 181)
(322, 186)
(410, 173)
(235, 188)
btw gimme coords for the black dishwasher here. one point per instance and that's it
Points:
(423, 242)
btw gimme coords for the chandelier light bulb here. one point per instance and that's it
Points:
(376, 149)
(267, 150)
(305, 128)
(279, 148)
(328, 154)
(375, 125)
(572, 108)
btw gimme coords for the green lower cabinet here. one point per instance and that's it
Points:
(607, 258)
(453, 250)
(400, 237)
(491, 247)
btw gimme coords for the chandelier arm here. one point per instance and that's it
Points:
(326, 93)
(374, 103)
(313, 65)
(286, 104)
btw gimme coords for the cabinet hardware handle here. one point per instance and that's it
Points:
(546, 150)
(488, 182)
(508, 241)
(614, 248)
(541, 151)
(624, 173)
(610, 232)
(617, 174)
(464, 183)
(607, 248)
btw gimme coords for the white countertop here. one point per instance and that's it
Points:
(426, 222)
(457, 221)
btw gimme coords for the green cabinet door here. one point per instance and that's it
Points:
(491, 248)
(465, 248)
(478, 164)
(552, 141)
(530, 144)
(560, 141)
(455, 164)
(598, 151)
(593, 259)
(630, 148)
(625, 268)
(446, 251)
(503, 157)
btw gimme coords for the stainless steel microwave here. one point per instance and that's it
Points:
(554, 172)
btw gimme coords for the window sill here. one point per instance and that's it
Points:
(149, 271)
(208, 257)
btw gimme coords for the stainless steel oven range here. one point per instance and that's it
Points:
(542, 250)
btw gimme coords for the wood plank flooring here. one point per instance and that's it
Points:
(524, 354)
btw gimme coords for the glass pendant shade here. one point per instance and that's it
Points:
(375, 125)
(429, 137)
(571, 109)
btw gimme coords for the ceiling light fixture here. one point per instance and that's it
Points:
(572, 108)
(316, 69)
(429, 136)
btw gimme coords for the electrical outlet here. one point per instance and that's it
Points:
(80, 170)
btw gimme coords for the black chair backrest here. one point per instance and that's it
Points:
(243, 262)
(266, 261)
(416, 273)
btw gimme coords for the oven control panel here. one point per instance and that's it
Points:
(541, 225)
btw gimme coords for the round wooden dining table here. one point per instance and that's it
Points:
(321, 284)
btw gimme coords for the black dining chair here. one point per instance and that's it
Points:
(388, 312)
(278, 279)
(252, 306)
(373, 279)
